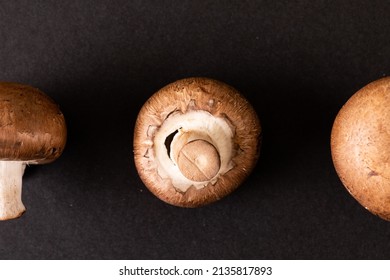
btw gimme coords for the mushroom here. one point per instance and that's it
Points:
(360, 144)
(32, 131)
(195, 141)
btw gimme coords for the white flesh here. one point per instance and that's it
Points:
(191, 126)
(11, 173)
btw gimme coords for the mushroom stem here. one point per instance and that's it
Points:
(11, 173)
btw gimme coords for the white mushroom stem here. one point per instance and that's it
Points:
(206, 129)
(11, 173)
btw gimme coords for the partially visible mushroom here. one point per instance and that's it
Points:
(32, 131)
(360, 144)
(195, 141)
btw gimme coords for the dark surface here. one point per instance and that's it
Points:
(296, 61)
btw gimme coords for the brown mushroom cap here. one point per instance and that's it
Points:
(360, 144)
(223, 103)
(32, 128)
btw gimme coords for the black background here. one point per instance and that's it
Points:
(297, 62)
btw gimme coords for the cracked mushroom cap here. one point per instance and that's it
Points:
(195, 141)
(360, 144)
(32, 128)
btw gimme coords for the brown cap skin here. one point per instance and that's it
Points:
(360, 144)
(32, 128)
(218, 99)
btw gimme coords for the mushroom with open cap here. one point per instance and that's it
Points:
(195, 141)
(32, 131)
(360, 144)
